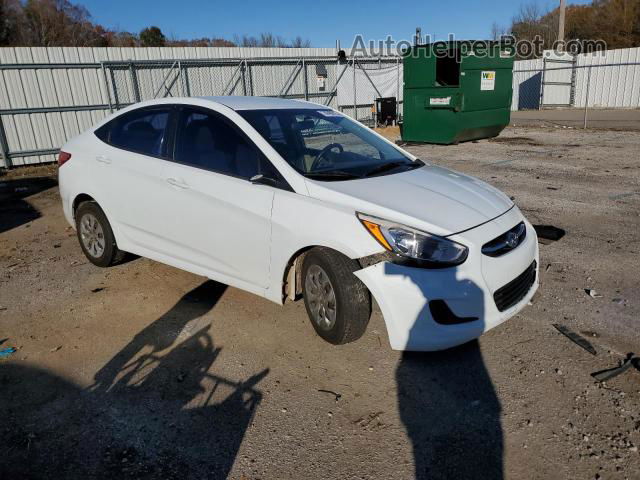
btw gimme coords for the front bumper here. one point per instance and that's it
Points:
(403, 293)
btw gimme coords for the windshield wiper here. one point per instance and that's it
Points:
(333, 174)
(385, 167)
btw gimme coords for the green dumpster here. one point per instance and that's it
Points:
(456, 91)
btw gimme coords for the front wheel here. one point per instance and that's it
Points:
(337, 302)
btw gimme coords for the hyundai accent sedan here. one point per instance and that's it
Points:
(289, 199)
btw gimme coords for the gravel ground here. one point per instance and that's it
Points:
(608, 119)
(145, 371)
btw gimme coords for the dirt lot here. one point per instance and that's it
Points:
(609, 119)
(144, 371)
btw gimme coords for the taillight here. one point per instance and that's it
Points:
(63, 157)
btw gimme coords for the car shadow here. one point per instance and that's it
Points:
(14, 210)
(447, 401)
(156, 409)
(548, 233)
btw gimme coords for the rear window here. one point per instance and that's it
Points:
(142, 131)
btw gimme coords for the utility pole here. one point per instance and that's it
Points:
(561, 25)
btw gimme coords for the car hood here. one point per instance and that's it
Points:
(434, 198)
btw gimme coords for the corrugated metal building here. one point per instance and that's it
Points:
(614, 85)
(48, 95)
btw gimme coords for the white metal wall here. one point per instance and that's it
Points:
(612, 83)
(610, 86)
(31, 88)
(72, 78)
(104, 54)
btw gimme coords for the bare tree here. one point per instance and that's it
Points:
(497, 31)
(59, 23)
(11, 23)
(245, 40)
(62, 23)
(532, 21)
(299, 42)
(123, 39)
(268, 40)
(200, 42)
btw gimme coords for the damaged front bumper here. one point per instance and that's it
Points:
(404, 293)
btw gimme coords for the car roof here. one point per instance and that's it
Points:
(261, 103)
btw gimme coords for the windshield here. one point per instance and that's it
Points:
(326, 145)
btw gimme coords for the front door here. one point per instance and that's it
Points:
(219, 220)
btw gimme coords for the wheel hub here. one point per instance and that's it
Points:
(321, 297)
(92, 235)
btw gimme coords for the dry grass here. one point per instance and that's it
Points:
(47, 170)
(391, 133)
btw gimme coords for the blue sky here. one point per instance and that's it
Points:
(322, 22)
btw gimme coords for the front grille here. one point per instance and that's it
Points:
(514, 291)
(506, 242)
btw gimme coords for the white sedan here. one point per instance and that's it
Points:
(290, 199)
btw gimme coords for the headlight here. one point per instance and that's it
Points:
(425, 248)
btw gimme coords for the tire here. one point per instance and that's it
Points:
(96, 237)
(342, 317)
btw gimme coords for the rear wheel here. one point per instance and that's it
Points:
(95, 236)
(337, 302)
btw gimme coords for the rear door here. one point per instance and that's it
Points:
(127, 170)
(220, 221)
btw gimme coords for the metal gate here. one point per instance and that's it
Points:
(46, 104)
(558, 80)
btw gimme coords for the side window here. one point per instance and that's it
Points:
(141, 131)
(207, 140)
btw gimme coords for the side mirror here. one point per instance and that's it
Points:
(262, 180)
(271, 182)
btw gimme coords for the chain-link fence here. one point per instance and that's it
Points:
(571, 85)
(350, 85)
(43, 105)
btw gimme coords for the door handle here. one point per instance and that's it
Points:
(177, 183)
(103, 159)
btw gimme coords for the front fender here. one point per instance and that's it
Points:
(300, 222)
